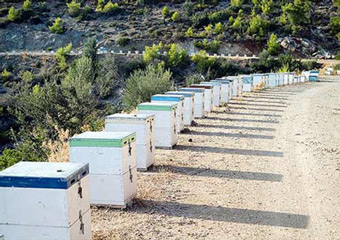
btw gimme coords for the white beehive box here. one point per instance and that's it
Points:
(257, 80)
(235, 85)
(224, 93)
(188, 105)
(216, 92)
(41, 200)
(180, 107)
(199, 100)
(302, 78)
(246, 83)
(143, 125)
(281, 79)
(165, 122)
(286, 79)
(271, 80)
(112, 160)
(208, 96)
(291, 78)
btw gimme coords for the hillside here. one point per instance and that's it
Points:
(237, 27)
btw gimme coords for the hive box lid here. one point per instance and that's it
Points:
(201, 86)
(195, 90)
(43, 175)
(165, 97)
(102, 139)
(138, 116)
(222, 81)
(155, 106)
(216, 83)
(185, 94)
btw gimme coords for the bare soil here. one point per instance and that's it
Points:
(267, 168)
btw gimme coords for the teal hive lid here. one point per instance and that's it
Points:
(196, 90)
(157, 106)
(102, 139)
(185, 94)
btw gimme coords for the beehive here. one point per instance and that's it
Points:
(208, 96)
(216, 92)
(286, 79)
(188, 105)
(271, 80)
(313, 76)
(302, 79)
(180, 107)
(199, 100)
(42, 200)
(281, 79)
(246, 83)
(291, 78)
(143, 125)
(258, 80)
(112, 160)
(165, 122)
(224, 94)
(235, 85)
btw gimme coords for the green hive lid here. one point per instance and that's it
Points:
(157, 106)
(102, 139)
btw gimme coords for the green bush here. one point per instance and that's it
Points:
(176, 56)
(73, 8)
(195, 78)
(13, 14)
(219, 16)
(6, 74)
(212, 46)
(190, 32)
(258, 26)
(218, 28)
(57, 27)
(110, 7)
(237, 3)
(202, 61)
(62, 54)
(27, 5)
(27, 76)
(142, 84)
(122, 41)
(100, 5)
(152, 53)
(199, 20)
(175, 16)
(165, 11)
(273, 46)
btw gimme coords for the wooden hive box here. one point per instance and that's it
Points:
(112, 160)
(208, 96)
(180, 107)
(198, 100)
(42, 200)
(144, 127)
(216, 92)
(165, 122)
(188, 105)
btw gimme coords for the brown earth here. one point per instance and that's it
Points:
(267, 168)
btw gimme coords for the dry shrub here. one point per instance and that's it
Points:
(59, 149)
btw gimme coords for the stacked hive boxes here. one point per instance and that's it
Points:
(216, 92)
(291, 78)
(208, 96)
(286, 78)
(188, 105)
(235, 85)
(165, 122)
(112, 160)
(246, 83)
(224, 93)
(271, 80)
(179, 100)
(199, 100)
(45, 201)
(143, 125)
(257, 80)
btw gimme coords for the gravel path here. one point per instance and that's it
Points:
(268, 168)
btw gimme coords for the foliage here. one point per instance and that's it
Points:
(73, 8)
(208, 29)
(13, 14)
(165, 11)
(337, 67)
(199, 20)
(108, 78)
(27, 76)
(152, 53)
(110, 7)
(5, 74)
(176, 56)
(212, 46)
(90, 49)
(190, 32)
(218, 28)
(237, 3)
(258, 26)
(175, 16)
(193, 79)
(100, 5)
(273, 45)
(202, 61)
(57, 26)
(122, 41)
(142, 84)
(27, 5)
(62, 54)
(296, 14)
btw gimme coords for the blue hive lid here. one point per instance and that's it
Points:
(43, 175)
(164, 97)
(196, 90)
(185, 94)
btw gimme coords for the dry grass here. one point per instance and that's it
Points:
(59, 150)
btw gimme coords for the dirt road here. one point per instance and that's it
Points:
(267, 169)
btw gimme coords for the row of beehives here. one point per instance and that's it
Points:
(52, 200)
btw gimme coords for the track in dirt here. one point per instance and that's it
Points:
(268, 168)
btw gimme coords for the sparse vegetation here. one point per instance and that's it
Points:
(58, 26)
